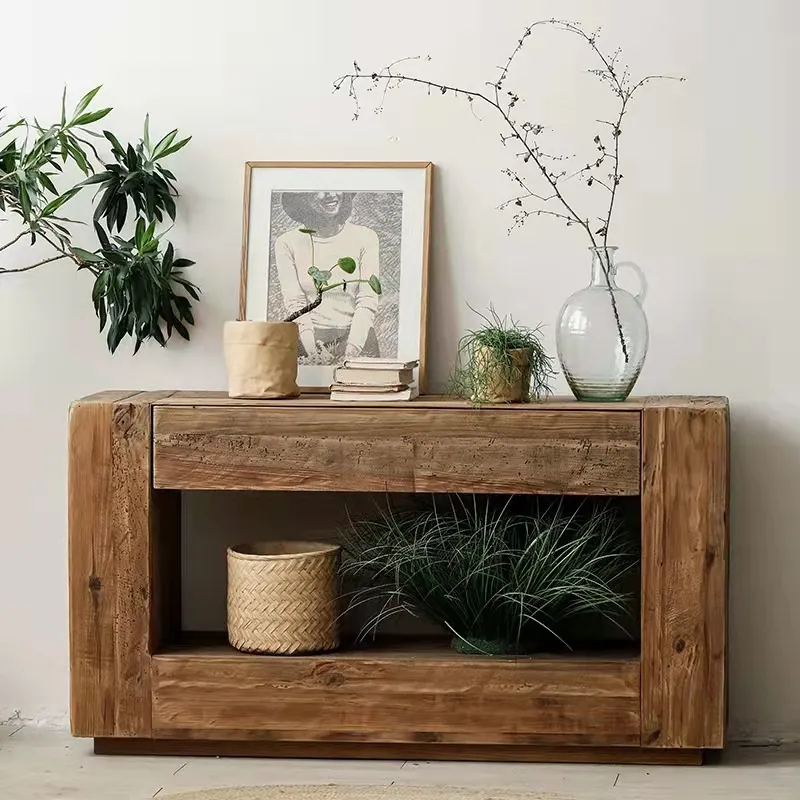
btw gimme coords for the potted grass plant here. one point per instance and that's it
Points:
(502, 362)
(261, 357)
(500, 582)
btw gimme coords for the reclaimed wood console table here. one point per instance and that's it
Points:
(138, 685)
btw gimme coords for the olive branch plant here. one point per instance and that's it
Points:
(553, 172)
(140, 289)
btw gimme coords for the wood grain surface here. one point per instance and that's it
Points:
(397, 752)
(684, 576)
(432, 401)
(413, 695)
(110, 520)
(408, 450)
(130, 452)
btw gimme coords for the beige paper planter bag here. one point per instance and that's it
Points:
(261, 359)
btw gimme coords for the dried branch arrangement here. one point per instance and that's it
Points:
(550, 195)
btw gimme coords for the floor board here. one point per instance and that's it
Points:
(38, 764)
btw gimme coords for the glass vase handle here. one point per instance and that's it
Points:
(640, 274)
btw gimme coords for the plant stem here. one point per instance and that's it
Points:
(13, 241)
(318, 299)
(305, 309)
(33, 266)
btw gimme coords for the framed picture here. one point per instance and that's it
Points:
(377, 214)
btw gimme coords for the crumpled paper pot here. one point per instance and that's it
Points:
(261, 359)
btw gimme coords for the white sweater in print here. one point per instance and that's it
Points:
(354, 308)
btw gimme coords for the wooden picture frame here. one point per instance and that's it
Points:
(375, 212)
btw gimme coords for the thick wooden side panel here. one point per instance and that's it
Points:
(401, 752)
(684, 576)
(405, 450)
(91, 570)
(110, 534)
(466, 700)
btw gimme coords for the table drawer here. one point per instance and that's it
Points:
(397, 450)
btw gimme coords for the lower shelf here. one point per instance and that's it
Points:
(420, 752)
(408, 693)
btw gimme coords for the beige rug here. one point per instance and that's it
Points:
(359, 793)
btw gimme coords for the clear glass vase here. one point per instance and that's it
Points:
(602, 333)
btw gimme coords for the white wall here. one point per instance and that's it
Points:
(709, 206)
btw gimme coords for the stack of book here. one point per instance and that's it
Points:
(370, 380)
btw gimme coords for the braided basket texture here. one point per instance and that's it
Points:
(282, 597)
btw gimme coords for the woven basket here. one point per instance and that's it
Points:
(282, 597)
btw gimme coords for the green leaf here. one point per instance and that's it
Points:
(98, 177)
(92, 116)
(115, 143)
(79, 158)
(174, 149)
(101, 235)
(375, 284)
(147, 132)
(164, 143)
(90, 258)
(190, 288)
(83, 104)
(140, 229)
(64, 107)
(347, 265)
(25, 202)
(47, 183)
(54, 205)
(309, 231)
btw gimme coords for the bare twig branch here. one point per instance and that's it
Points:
(610, 73)
(41, 263)
(13, 241)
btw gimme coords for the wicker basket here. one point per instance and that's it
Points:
(282, 597)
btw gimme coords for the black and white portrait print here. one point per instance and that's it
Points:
(363, 225)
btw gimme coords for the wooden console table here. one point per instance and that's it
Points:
(139, 686)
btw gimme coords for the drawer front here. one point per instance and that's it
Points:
(397, 450)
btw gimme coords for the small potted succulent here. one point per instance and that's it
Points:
(502, 362)
(261, 357)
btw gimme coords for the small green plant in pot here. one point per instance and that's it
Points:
(502, 362)
(501, 583)
(261, 357)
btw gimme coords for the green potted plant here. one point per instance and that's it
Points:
(499, 582)
(502, 362)
(140, 289)
(261, 357)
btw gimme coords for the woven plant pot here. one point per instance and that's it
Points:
(503, 382)
(282, 597)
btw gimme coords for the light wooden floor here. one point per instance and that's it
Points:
(38, 764)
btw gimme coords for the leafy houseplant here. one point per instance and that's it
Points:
(502, 362)
(499, 582)
(261, 357)
(140, 289)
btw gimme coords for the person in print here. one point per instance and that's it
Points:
(343, 325)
